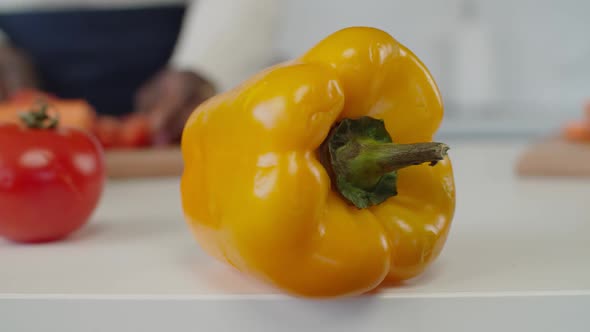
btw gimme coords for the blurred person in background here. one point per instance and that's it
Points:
(158, 57)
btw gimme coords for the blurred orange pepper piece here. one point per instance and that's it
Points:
(578, 130)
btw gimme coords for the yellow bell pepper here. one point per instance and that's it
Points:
(292, 177)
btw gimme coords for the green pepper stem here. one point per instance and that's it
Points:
(365, 163)
(392, 156)
(362, 160)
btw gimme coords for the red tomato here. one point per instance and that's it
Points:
(108, 129)
(50, 181)
(135, 132)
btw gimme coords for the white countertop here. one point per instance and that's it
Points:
(519, 249)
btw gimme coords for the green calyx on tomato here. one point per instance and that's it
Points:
(39, 118)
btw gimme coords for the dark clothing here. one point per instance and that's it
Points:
(102, 56)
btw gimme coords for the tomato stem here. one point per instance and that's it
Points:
(39, 118)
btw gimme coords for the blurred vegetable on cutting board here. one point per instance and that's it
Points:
(579, 130)
(127, 140)
(132, 131)
(564, 154)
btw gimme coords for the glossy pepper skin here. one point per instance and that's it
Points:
(257, 197)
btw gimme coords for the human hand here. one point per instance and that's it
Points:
(168, 99)
(17, 72)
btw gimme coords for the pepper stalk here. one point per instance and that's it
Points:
(362, 160)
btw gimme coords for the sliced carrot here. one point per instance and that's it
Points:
(76, 113)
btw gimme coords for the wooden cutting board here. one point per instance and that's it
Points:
(555, 157)
(144, 163)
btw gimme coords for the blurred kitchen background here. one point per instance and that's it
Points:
(505, 68)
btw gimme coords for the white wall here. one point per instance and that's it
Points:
(540, 50)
